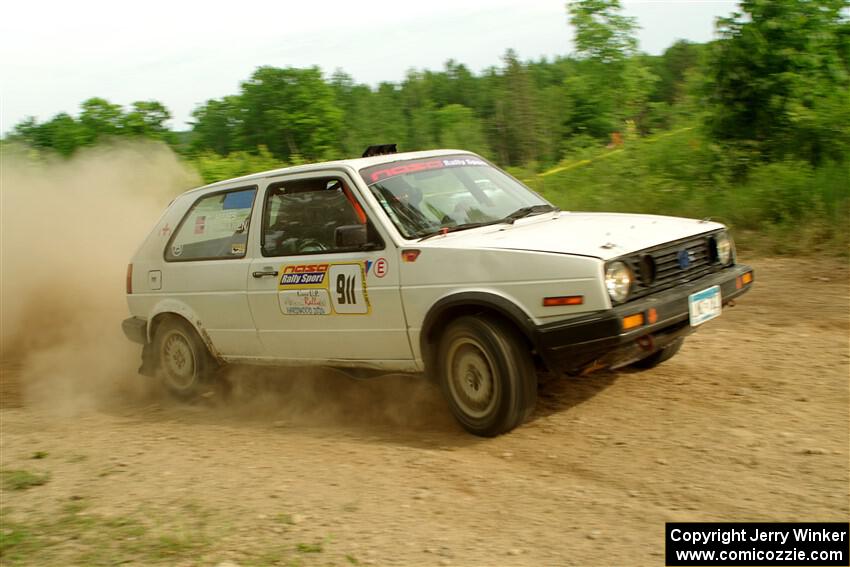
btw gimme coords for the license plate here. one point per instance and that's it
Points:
(705, 305)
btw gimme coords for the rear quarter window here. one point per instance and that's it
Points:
(215, 228)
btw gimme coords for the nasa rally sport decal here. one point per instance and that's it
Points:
(323, 289)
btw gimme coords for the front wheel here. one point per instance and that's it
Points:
(183, 361)
(487, 375)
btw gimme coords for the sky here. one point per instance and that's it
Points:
(56, 54)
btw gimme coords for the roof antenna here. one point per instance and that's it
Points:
(380, 150)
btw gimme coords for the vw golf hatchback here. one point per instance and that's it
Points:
(434, 262)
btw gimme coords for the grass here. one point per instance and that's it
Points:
(785, 207)
(78, 535)
(94, 540)
(18, 542)
(172, 547)
(21, 480)
(317, 547)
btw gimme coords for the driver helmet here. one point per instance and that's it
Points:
(404, 191)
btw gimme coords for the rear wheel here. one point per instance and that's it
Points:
(487, 375)
(660, 356)
(183, 362)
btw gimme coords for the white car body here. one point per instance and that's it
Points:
(377, 321)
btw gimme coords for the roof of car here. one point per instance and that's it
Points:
(356, 163)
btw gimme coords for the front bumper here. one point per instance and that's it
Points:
(597, 340)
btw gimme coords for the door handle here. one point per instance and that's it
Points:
(265, 273)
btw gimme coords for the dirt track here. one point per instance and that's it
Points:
(748, 422)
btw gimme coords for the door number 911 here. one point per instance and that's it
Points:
(345, 290)
(348, 293)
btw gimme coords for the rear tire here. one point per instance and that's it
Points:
(487, 375)
(657, 358)
(184, 363)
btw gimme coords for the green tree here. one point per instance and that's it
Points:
(147, 118)
(65, 134)
(214, 167)
(419, 110)
(31, 133)
(779, 79)
(589, 109)
(602, 33)
(388, 123)
(101, 118)
(618, 85)
(291, 111)
(217, 125)
(461, 85)
(460, 128)
(520, 111)
(672, 69)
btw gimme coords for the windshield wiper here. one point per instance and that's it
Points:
(457, 227)
(528, 211)
(517, 214)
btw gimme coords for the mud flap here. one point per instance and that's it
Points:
(148, 367)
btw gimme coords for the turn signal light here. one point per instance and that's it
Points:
(632, 321)
(410, 255)
(652, 316)
(564, 300)
(747, 278)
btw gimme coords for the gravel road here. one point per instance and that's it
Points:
(748, 423)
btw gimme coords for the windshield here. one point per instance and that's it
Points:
(424, 196)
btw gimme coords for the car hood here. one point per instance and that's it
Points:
(602, 235)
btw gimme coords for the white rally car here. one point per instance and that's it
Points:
(434, 262)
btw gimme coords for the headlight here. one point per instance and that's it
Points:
(618, 281)
(725, 247)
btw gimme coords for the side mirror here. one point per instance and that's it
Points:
(351, 236)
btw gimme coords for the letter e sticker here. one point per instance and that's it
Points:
(348, 292)
(380, 267)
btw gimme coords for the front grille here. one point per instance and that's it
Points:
(667, 270)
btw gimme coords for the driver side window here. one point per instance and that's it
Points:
(314, 216)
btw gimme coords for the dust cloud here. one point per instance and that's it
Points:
(69, 228)
(323, 397)
(68, 231)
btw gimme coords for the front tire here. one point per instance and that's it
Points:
(487, 375)
(183, 362)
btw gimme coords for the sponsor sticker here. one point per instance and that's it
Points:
(304, 276)
(305, 302)
(384, 171)
(323, 289)
(380, 267)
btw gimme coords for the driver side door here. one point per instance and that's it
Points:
(324, 285)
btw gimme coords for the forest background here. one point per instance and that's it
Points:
(752, 129)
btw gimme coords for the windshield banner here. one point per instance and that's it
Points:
(386, 170)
